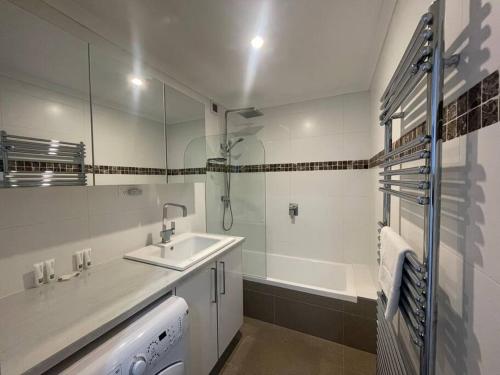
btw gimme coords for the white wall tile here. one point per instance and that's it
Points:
(38, 224)
(356, 146)
(327, 147)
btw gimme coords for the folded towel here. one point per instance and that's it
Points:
(392, 255)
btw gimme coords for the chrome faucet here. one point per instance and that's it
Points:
(167, 233)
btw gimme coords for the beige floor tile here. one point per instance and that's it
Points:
(266, 349)
(359, 362)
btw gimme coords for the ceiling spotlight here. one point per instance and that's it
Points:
(257, 42)
(136, 81)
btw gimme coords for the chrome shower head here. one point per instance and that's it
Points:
(250, 113)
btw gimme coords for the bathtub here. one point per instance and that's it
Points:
(329, 279)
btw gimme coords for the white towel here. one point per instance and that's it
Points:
(392, 255)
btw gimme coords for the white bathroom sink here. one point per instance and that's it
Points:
(182, 251)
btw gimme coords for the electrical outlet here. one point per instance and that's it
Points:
(87, 258)
(38, 274)
(50, 272)
(78, 260)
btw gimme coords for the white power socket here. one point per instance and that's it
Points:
(38, 274)
(50, 272)
(78, 260)
(87, 258)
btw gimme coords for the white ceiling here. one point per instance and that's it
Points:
(313, 48)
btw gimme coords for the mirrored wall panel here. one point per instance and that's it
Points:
(44, 103)
(186, 153)
(128, 117)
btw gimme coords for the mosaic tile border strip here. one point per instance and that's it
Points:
(475, 109)
(291, 167)
(186, 171)
(41, 166)
(112, 169)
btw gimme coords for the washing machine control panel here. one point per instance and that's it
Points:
(160, 345)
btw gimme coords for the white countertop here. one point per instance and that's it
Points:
(40, 327)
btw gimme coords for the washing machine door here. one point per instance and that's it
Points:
(175, 369)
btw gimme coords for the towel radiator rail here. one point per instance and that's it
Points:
(18, 150)
(422, 62)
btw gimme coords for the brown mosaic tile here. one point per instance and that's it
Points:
(474, 96)
(462, 125)
(474, 119)
(490, 86)
(450, 111)
(490, 112)
(451, 130)
(462, 106)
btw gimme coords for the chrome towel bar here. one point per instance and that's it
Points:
(422, 65)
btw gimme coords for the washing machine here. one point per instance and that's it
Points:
(151, 343)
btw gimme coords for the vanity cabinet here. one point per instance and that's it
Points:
(230, 303)
(214, 295)
(200, 293)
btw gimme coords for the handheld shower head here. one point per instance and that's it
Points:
(231, 144)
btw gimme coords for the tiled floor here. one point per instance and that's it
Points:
(267, 349)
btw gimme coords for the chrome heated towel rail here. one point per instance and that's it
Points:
(28, 161)
(422, 63)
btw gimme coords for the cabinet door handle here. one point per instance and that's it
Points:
(223, 291)
(213, 290)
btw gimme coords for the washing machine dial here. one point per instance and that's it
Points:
(138, 366)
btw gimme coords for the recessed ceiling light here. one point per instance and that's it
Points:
(257, 42)
(136, 81)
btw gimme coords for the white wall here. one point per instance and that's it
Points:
(186, 140)
(42, 223)
(334, 207)
(468, 325)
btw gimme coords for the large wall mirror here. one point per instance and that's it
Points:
(44, 103)
(128, 120)
(74, 114)
(185, 121)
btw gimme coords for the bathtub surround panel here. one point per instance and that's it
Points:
(348, 323)
(38, 224)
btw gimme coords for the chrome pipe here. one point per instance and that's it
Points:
(415, 185)
(417, 311)
(419, 328)
(387, 346)
(417, 278)
(415, 335)
(435, 82)
(412, 69)
(406, 171)
(387, 198)
(405, 159)
(419, 141)
(418, 199)
(405, 92)
(14, 137)
(411, 258)
(415, 283)
(415, 293)
(425, 20)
